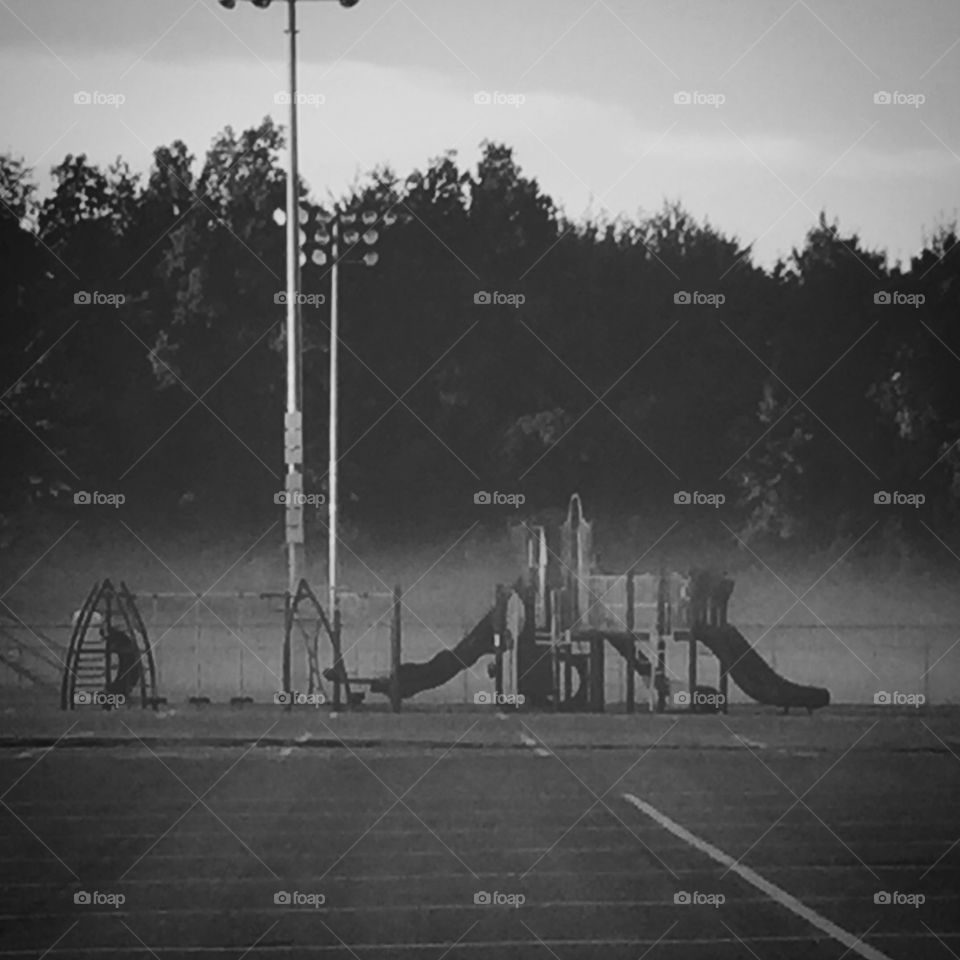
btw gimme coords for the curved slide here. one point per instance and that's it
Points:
(416, 677)
(444, 666)
(753, 675)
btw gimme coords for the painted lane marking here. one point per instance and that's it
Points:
(777, 894)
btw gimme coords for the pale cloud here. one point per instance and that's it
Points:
(585, 152)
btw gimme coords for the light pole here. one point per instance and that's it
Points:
(344, 227)
(293, 420)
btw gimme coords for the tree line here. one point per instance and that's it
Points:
(496, 346)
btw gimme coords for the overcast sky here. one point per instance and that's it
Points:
(786, 124)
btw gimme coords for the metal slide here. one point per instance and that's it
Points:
(752, 674)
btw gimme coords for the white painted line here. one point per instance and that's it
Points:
(775, 893)
(566, 906)
(190, 879)
(489, 947)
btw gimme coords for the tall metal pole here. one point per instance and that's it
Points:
(332, 466)
(294, 424)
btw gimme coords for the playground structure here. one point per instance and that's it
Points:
(91, 670)
(94, 664)
(548, 637)
(572, 612)
(562, 613)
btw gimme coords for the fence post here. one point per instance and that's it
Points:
(663, 624)
(196, 643)
(554, 647)
(240, 626)
(722, 601)
(287, 631)
(395, 651)
(632, 649)
(339, 669)
(498, 637)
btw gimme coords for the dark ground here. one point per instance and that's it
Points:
(399, 822)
